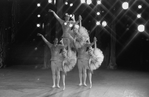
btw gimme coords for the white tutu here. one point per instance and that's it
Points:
(70, 61)
(96, 60)
(81, 37)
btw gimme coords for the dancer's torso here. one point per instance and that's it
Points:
(55, 52)
(82, 53)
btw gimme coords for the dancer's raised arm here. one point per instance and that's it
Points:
(57, 17)
(45, 40)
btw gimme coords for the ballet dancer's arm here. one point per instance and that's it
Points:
(57, 17)
(45, 40)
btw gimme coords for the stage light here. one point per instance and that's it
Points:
(71, 4)
(66, 3)
(38, 5)
(97, 22)
(141, 28)
(82, 1)
(98, 13)
(38, 25)
(104, 23)
(98, 1)
(139, 6)
(89, 2)
(38, 16)
(125, 5)
(138, 15)
(70, 15)
(49, 1)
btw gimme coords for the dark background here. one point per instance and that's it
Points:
(24, 47)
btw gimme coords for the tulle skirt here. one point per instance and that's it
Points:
(96, 60)
(82, 37)
(70, 61)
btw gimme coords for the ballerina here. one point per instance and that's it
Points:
(56, 59)
(95, 60)
(69, 62)
(66, 27)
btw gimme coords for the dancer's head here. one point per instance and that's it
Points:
(56, 41)
(67, 17)
(90, 50)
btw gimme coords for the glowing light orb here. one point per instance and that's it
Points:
(98, 23)
(125, 5)
(82, 1)
(89, 2)
(38, 5)
(98, 13)
(104, 23)
(49, 1)
(98, 1)
(71, 4)
(138, 15)
(139, 6)
(141, 28)
(66, 3)
(38, 15)
(38, 25)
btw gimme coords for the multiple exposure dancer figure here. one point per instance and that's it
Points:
(56, 59)
(66, 27)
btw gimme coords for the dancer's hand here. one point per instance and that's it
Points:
(51, 10)
(95, 39)
(80, 17)
(39, 34)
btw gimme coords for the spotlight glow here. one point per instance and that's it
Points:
(38, 25)
(89, 2)
(82, 1)
(66, 3)
(38, 16)
(49, 1)
(125, 5)
(71, 4)
(97, 22)
(98, 1)
(139, 6)
(141, 28)
(104, 23)
(38, 5)
(138, 15)
(98, 13)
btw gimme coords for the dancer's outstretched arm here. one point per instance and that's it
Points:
(45, 40)
(57, 17)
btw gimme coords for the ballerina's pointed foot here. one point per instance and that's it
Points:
(58, 86)
(85, 84)
(80, 84)
(64, 88)
(53, 86)
(90, 86)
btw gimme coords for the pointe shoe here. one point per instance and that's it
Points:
(85, 84)
(90, 86)
(53, 86)
(64, 88)
(80, 84)
(58, 86)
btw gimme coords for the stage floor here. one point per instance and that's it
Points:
(31, 82)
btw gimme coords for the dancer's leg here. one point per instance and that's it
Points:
(80, 73)
(53, 73)
(84, 76)
(58, 78)
(90, 78)
(63, 76)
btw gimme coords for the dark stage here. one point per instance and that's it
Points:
(30, 82)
